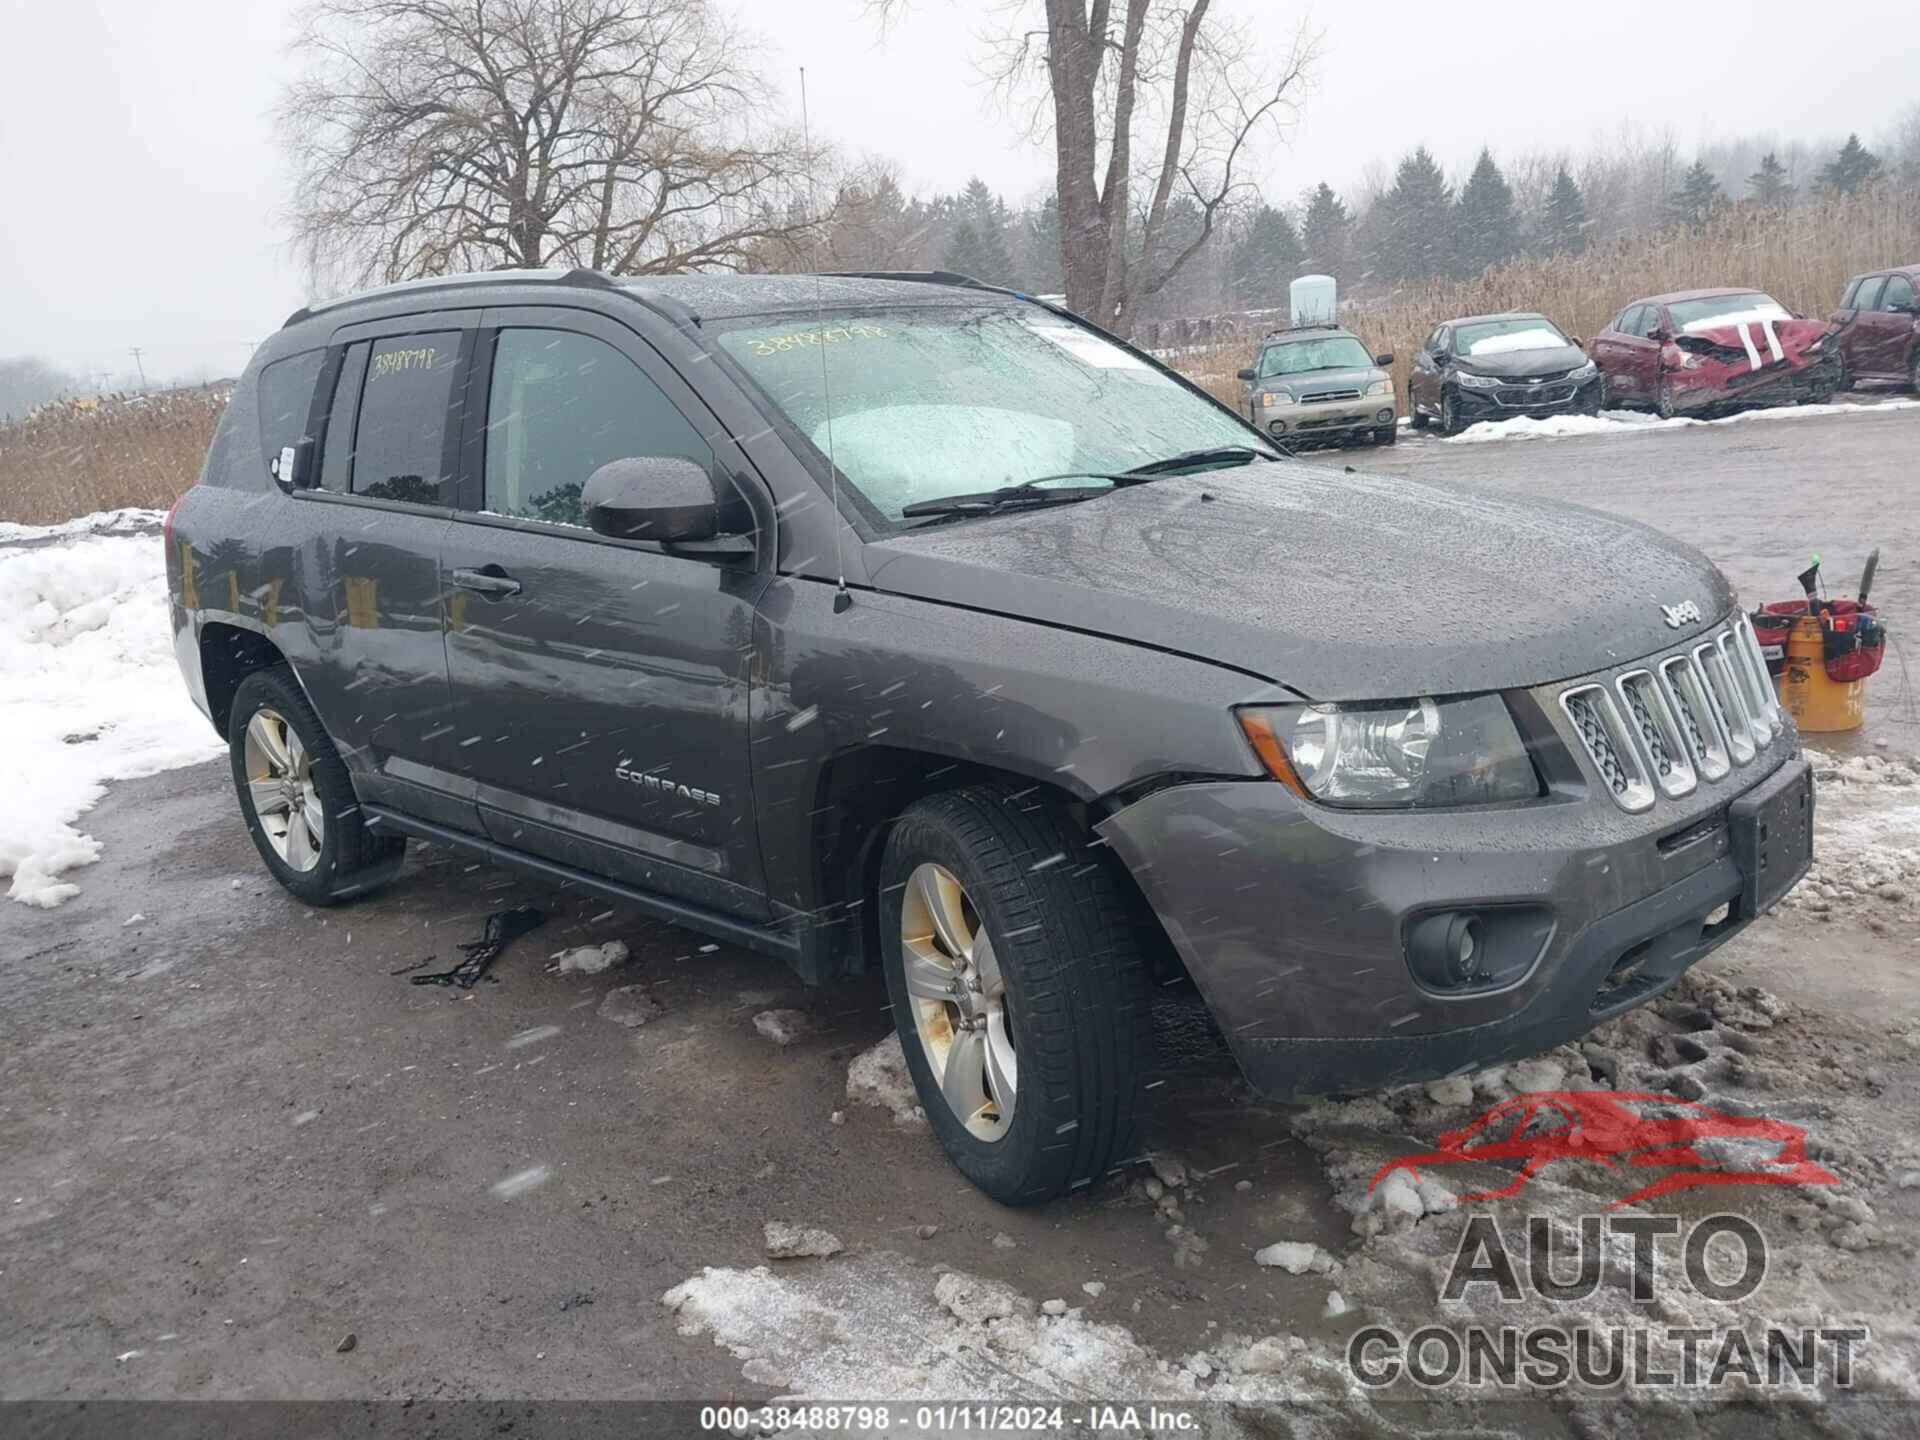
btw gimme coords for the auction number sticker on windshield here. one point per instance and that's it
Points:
(766, 345)
(1087, 347)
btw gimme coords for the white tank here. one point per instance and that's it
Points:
(1311, 300)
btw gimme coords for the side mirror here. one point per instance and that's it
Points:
(1660, 335)
(665, 498)
(1383, 359)
(1248, 375)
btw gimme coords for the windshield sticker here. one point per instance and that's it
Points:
(1087, 347)
(766, 345)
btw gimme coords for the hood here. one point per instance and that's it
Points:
(1753, 336)
(1337, 586)
(1308, 382)
(1550, 360)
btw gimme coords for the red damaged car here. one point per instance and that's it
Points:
(1698, 351)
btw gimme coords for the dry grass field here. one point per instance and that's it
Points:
(103, 452)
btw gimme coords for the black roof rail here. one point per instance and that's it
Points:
(1310, 325)
(578, 276)
(926, 277)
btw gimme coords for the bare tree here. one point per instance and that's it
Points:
(438, 135)
(1152, 105)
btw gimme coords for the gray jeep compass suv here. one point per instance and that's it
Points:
(904, 622)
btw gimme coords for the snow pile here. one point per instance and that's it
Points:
(129, 521)
(1866, 829)
(879, 1076)
(89, 692)
(1635, 422)
(589, 959)
(880, 1327)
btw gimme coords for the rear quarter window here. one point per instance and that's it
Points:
(286, 401)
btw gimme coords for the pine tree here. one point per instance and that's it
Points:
(1697, 198)
(1327, 235)
(1413, 231)
(1853, 169)
(1769, 186)
(965, 254)
(982, 211)
(1266, 261)
(1039, 258)
(1563, 221)
(1487, 231)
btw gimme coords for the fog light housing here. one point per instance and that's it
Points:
(1447, 951)
(1384, 416)
(1276, 427)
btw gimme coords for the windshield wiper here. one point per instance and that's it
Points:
(1007, 497)
(1211, 458)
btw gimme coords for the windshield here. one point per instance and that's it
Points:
(941, 401)
(1498, 337)
(1727, 310)
(1297, 357)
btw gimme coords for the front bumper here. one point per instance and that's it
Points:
(1292, 918)
(1562, 397)
(1785, 382)
(1329, 419)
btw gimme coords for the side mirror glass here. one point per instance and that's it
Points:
(1247, 374)
(1383, 359)
(664, 498)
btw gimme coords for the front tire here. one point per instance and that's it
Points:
(1018, 988)
(1663, 400)
(1449, 414)
(297, 798)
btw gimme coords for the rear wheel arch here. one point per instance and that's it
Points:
(228, 654)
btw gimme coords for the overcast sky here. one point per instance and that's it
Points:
(141, 182)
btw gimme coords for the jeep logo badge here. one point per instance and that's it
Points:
(1685, 613)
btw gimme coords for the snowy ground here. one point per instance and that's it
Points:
(1640, 422)
(91, 692)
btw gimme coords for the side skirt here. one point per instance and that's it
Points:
(784, 944)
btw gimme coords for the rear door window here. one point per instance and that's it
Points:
(286, 402)
(561, 405)
(400, 449)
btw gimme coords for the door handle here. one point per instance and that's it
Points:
(489, 580)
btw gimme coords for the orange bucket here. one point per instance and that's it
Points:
(1817, 703)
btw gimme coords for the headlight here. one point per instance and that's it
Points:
(1281, 396)
(1585, 372)
(1413, 752)
(1380, 387)
(1477, 382)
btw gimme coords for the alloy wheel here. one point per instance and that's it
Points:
(281, 789)
(959, 1000)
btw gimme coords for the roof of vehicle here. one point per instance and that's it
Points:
(1319, 330)
(1913, 269)
(1711, 293)
(1503, 315)
(706, 296)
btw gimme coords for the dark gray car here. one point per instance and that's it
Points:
(868, 621)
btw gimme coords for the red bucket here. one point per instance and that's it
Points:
(1856, 641)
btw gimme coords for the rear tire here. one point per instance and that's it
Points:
(297, 798)
(1047, 1054)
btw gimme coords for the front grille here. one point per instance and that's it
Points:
(1315, 397)
(1596, 719)
(1686, 718)
(1659, 731)
(1526, 396)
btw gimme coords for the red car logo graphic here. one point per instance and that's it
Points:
(1697, 1145)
